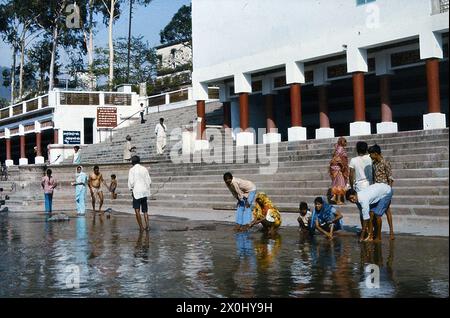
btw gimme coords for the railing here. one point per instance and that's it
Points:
(439, 6)
(72, 98)
(178, 96)
(24, 107)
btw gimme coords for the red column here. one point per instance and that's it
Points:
(243, 111)
(296, 105)
(22, 147)
(323, 107)
(55, 136)
(270, 118)
(38, 144)
(8, 148)
(385, 96)
(226, 115)
(359, 96)
(201, 113)
(434, 99)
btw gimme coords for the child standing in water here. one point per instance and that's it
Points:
(113, 186)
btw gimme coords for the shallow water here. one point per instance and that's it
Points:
(178, 258)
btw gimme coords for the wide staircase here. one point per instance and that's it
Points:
(143, 135)
(419, 162)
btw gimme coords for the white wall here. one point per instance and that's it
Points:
(70, 118)
(237, 36)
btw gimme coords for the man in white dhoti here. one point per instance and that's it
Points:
(160, 131)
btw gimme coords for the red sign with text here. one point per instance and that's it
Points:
(107, 117)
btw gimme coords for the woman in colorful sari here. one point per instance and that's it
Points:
(80, 190)
(339, 171)
(266, 213)
(325, 218)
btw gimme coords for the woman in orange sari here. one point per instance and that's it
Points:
(339, 171)
(266, 213)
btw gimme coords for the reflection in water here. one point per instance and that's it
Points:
(198, 266)
(245, 273)
(373, 254)
(116, 261)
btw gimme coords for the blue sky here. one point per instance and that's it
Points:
(147, 21)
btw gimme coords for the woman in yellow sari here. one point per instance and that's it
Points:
(266, 213)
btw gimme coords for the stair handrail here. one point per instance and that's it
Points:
(126, 119)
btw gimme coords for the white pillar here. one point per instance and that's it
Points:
(434, 121)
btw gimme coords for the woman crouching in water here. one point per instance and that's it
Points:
(266, 213)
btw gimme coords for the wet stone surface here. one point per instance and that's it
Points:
(87, 257)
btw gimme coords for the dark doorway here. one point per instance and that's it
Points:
(88, 131)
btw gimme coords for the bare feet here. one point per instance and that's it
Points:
(391, 236)
(245, 228)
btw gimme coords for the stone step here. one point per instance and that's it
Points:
(303, 176)
(291, 198)
(326, 144)
(282, 168)
(401, 148)
(397, 209)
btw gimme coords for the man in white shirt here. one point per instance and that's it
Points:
(160, 131)
(361, 168)
(360, 176)
(244, 192)
(139, 183)
(373, 201)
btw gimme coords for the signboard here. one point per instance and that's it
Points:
(107, 117)
(71, 137)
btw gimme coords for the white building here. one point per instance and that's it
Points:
(174, 59)
(323, 68)
(60, 120)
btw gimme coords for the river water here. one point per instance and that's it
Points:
(99, 257)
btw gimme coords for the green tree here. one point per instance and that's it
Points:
(143, 61)
(38, 56)
(3, 102)
(52, 18)
(179, 28)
